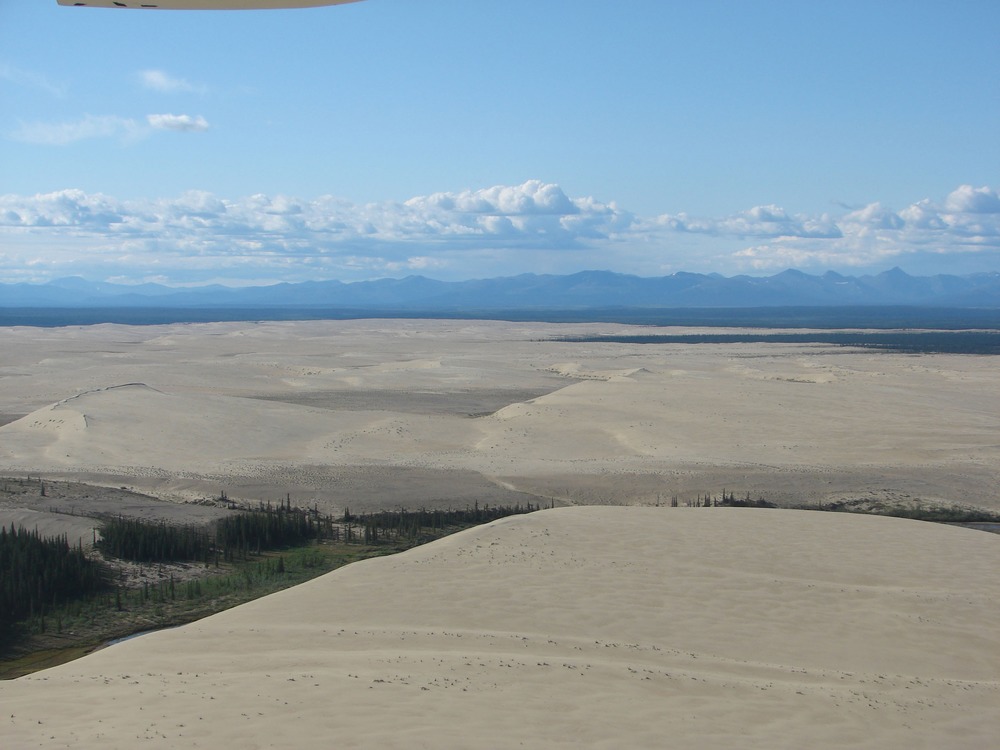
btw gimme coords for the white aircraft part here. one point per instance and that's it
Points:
(202, 4)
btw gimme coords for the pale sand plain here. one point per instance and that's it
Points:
(600, 627)
(386, 413)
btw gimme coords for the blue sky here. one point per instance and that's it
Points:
(474, 139)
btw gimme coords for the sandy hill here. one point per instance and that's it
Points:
(140, 425)
(578, 627)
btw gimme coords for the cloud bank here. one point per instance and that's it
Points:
(198, 237)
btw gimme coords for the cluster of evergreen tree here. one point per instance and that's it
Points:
(725, 500)
(270, 527)
(153, 541)
(38, 573)
(396, 525)
(731, 501)
(234, 537)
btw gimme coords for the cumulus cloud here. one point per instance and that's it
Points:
(493, 231)
(967, 222)
(759, 221)
(65, 208)
(178, 123)
(158, 80)
(972, 200)
(534, 197)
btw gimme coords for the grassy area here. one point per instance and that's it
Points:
(80, 627)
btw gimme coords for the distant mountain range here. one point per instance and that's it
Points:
(585, 290)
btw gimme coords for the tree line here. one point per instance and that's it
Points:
(252, 532)
(238, 536)
(413, 526)
(38, 574)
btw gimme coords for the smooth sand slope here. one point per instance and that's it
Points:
(390, 413)
(576, 627)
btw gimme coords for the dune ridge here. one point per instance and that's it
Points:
(576, 627)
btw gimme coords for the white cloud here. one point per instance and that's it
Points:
(973, 200)
(178, 123)
(500, 230)
(871, 218)
(64, 208)
(84, 128)
(31, 79)
(872, 236)
(532, 197)
(158, 80)
(923, 215)
(91, 127)
(759, 221)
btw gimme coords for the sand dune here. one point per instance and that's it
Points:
(621, 419)
(579, 627)
(595, 627)
(137, 425)
(261, 409)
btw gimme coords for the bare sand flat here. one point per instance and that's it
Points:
(347, 413)
(576, 627)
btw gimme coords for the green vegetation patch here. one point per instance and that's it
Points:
(199, 571)
(39, 574)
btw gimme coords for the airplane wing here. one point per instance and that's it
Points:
(202, 4)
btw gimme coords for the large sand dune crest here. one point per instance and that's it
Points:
(580, 627)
